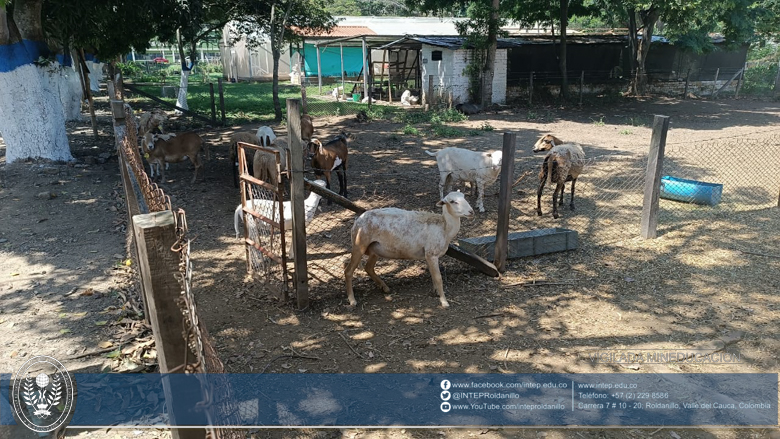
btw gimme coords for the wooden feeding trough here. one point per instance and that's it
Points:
(521, 244)
(690, 191)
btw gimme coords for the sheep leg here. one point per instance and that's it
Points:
(571, 204)
(563, 191)
(370, 264)
(480, 194)
(198, 165)
(344, 172)
(539, 196)
(438, 285)
(558, 189)
(357, 255)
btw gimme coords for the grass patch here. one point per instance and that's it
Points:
(410, 130)
(600, 122)
(486, 127)
(626, 132)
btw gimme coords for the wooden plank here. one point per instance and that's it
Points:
(336, 198)
(297, 197)
(221, 101)
(505, 200)
(727, 83)
(475, 261)
(155, 234)
(135, 89)
(213, 104)
(655, 164)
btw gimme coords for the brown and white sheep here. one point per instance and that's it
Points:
(563, 162)
(401, 234)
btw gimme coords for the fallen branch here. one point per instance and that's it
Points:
(501, 314)
(537, 283)
(89, 354)
(760, 254)
(350, 346)
(525, 174)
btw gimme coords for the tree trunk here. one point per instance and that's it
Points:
(562, 59)
(633, 40)
(32, 115)
(184, 77)
(488, 71)
(276, 54)
(649, 18)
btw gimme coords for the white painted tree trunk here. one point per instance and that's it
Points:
(95, 75)
(32, 118)
(66, 83)
(181, 101)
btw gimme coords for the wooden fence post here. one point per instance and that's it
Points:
(655, 164)
(221, 101)
(777, 80)
(429, 93)
(715, 83)
(740, 81)
(582, 84)
(687, 78)
(155, 234)
(213, 104)
(301, 278)
(505, 200)
(531, 89)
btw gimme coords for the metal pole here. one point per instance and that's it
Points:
(343, 88)
(319, 69)
(365, 68)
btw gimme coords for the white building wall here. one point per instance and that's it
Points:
(499, 77)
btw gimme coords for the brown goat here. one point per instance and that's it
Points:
(307, 127)
(159, 151)
(563, 162)
(332, 156)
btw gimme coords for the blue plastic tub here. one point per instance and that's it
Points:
(690, 191)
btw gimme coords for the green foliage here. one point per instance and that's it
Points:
(441, 130)
(760, 80)
(129, 69)
(486, 126)
(626, 132)
(409, 130)
(600, 122)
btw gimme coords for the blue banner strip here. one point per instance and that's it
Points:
(18, 54)
(426, 400)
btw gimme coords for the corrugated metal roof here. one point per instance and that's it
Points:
(338, 32)
(453, 43)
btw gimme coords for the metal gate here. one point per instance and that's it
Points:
(264, 218)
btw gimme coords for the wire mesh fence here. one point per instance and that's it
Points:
(265, 217)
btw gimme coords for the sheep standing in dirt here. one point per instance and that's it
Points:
(264, 163)
(401, 234)
(458, 164)
(151, 121)
(563, 162)
(246, 137)
(330, 157)
(159, 151)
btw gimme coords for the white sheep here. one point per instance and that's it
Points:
(458, 164)
(401, 234)
(266, 135)
(408, 99)
(563, 162)
(270, 210)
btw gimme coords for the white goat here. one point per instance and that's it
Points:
(408, 99)
(458, 164)
(402, 234)
(270, 210)
(264, 163)
(246, 137)
(266, 135)
(563, 162)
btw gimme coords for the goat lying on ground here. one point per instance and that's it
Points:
(246, 137)
(458, 164)
(332, 156)
(563, 162)
(270, 210)
(401, 234)
(159, 151)
(407, 98)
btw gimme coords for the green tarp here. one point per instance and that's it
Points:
(330, 60)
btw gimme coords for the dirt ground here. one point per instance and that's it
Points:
(694, 286)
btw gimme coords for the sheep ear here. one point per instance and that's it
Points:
(440, 203)
(322, 152)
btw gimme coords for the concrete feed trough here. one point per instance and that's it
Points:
(521, 244)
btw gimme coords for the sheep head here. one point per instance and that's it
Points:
(495, 157)
(456, 204)
(546, 143)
